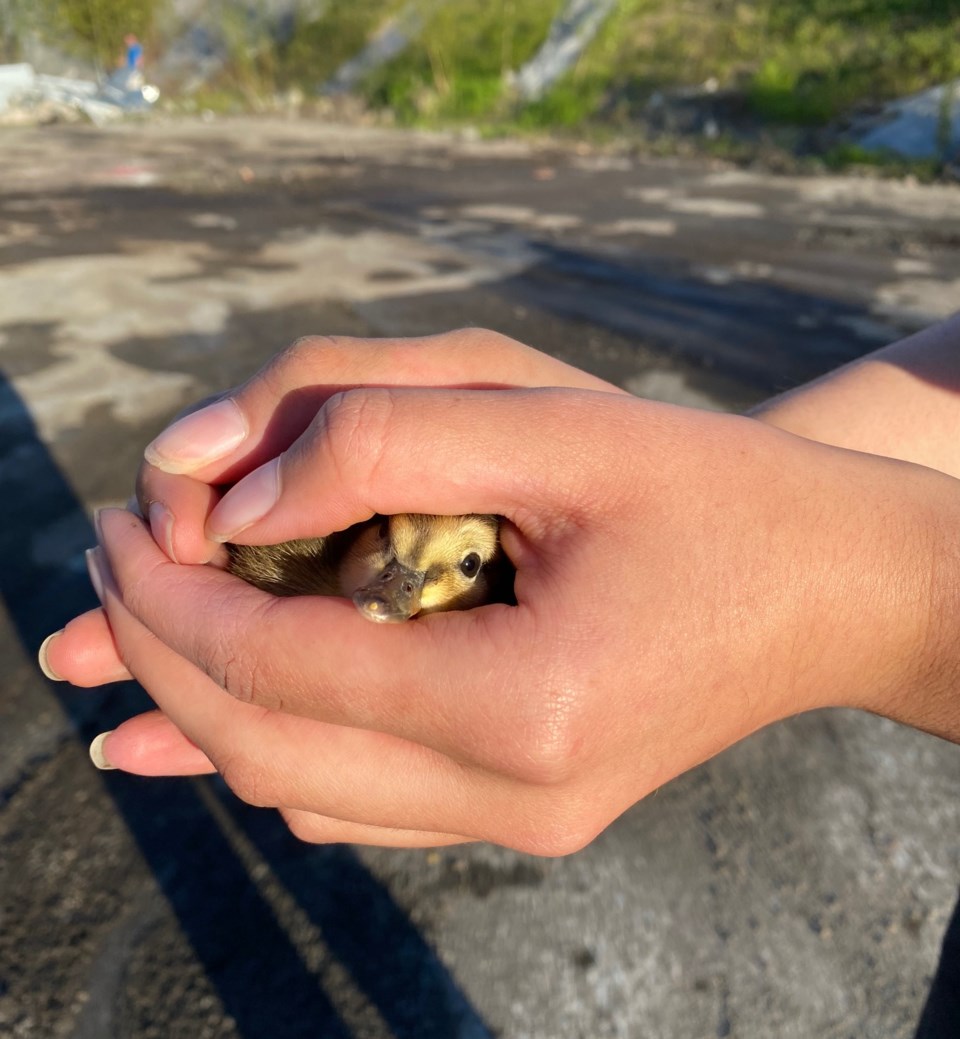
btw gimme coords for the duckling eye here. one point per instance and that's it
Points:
(470, 565)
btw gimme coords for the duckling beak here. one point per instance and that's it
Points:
(393, 595)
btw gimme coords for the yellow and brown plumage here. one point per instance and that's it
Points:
(392, 567)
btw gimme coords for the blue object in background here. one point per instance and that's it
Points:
(134, 52)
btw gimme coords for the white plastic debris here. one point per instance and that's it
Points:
(26, 96)
(14, 80)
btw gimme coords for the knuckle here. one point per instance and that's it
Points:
(245, 679)
(561, 843)
(304, 349)
(353, 427)
(495, 345)
(561, 827)
(234, 661)
(303, 357)
(549, 750)
(237, 675)
(474, 335)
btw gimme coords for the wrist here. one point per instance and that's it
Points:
(872, 586)
(927, 694)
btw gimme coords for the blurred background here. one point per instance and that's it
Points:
(725, 77)
(706, 203)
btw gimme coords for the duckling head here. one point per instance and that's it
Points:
(412, 564)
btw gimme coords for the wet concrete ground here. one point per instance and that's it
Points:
(796, 886)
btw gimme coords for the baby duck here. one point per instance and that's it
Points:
(392, 567)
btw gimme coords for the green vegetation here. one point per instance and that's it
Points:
(795, 61)
(93, 29)
(318, 46)
(262, 61)
(852, 156)
(782, 63)
(827, 55)
(791, 63)
(458, 69)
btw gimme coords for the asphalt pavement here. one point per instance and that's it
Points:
(796, 886)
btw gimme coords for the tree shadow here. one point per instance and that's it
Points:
(259, 974)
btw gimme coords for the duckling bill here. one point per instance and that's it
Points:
(392, 567)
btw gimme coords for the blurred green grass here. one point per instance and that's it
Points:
(789, 63)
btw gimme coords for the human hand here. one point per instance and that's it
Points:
(219, 444)
(682, 580)
(185, 467)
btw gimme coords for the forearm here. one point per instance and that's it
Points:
(902, 401)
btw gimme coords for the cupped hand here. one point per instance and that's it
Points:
(227, 436)
(185, 466)
(682, 580)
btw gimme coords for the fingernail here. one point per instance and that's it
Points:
(100, 576)
(93, 569)
(198, 439)
(250, 500)
(42, 658)
(98, 752)
(161, 526)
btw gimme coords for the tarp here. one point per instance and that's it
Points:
(921, 126)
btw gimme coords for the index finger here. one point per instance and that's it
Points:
(528, 454)
(256, 421)
(239, 430)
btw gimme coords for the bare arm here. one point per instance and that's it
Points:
(902, 401)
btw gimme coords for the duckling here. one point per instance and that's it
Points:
(392, 567)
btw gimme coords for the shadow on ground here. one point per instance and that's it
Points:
(259, 974)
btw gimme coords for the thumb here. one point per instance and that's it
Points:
(516, 453)
(238, 430)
